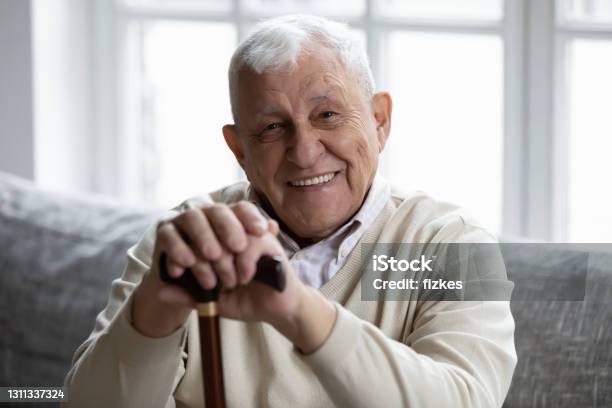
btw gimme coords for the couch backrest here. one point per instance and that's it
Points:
(58, 256)
(564, 346)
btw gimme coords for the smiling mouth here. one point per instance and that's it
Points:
(314, 181)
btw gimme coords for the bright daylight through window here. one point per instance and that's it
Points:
(448, 67)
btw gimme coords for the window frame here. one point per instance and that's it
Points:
(535, 157)
(566, 31)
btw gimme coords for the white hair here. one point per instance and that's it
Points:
(274, 46)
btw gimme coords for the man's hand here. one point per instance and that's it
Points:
(224, 242)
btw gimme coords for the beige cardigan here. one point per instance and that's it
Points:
(391, 354)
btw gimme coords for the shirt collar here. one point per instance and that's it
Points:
(375, 200)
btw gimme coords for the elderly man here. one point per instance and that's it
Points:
(308, 132)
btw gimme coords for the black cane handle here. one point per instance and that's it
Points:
(269, 272)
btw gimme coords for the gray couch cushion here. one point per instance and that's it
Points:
(564, 347)
(58, 257)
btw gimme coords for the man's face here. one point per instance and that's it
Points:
(309, 141)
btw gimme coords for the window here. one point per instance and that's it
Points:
(336, 8)
(185, 104)
(500, 106)
(586, 48)
(594, 11)
(443, 9)
(590, 144)
(447, 132)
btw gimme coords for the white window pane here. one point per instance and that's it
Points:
(587, 10)
(182, 5)
(590, 148)
(349, 8)
(447, 134)
(443, 9)
(185, 69)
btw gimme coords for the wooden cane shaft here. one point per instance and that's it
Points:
(212, 367)
(269, 272)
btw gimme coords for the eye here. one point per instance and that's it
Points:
(271, 132)
(272, 126)
(328, 114)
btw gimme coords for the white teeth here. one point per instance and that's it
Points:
(313, 181)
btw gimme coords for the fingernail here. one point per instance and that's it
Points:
(175, 271)
(261, 225)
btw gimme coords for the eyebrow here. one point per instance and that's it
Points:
(330, 96)
(272, 110)
(319, 98)
(333, 92)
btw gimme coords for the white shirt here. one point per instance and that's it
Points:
(318, 263)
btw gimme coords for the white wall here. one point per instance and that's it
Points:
(61, 38)
(46, 92)
(16, 104)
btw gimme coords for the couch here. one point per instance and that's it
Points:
(59, 254)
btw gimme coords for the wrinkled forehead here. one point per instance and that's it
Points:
(316, 73)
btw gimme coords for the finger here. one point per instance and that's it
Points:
(175, 295)
(198, 231)
(170, 241)
(250, 217)
(225, 270)
(229, 303)
(174, 270)
(246, 262)
(273, 227)
(205, 275)
(228, 228)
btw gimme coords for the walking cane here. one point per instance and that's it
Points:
(269, 272)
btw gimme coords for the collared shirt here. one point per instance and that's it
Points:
(318, 263)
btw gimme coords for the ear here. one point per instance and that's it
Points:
(382, 107)
(230, 134)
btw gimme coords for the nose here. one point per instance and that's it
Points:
(305, 148)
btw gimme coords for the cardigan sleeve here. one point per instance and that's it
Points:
(462, 356)
(455, 353)
(119, 367)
